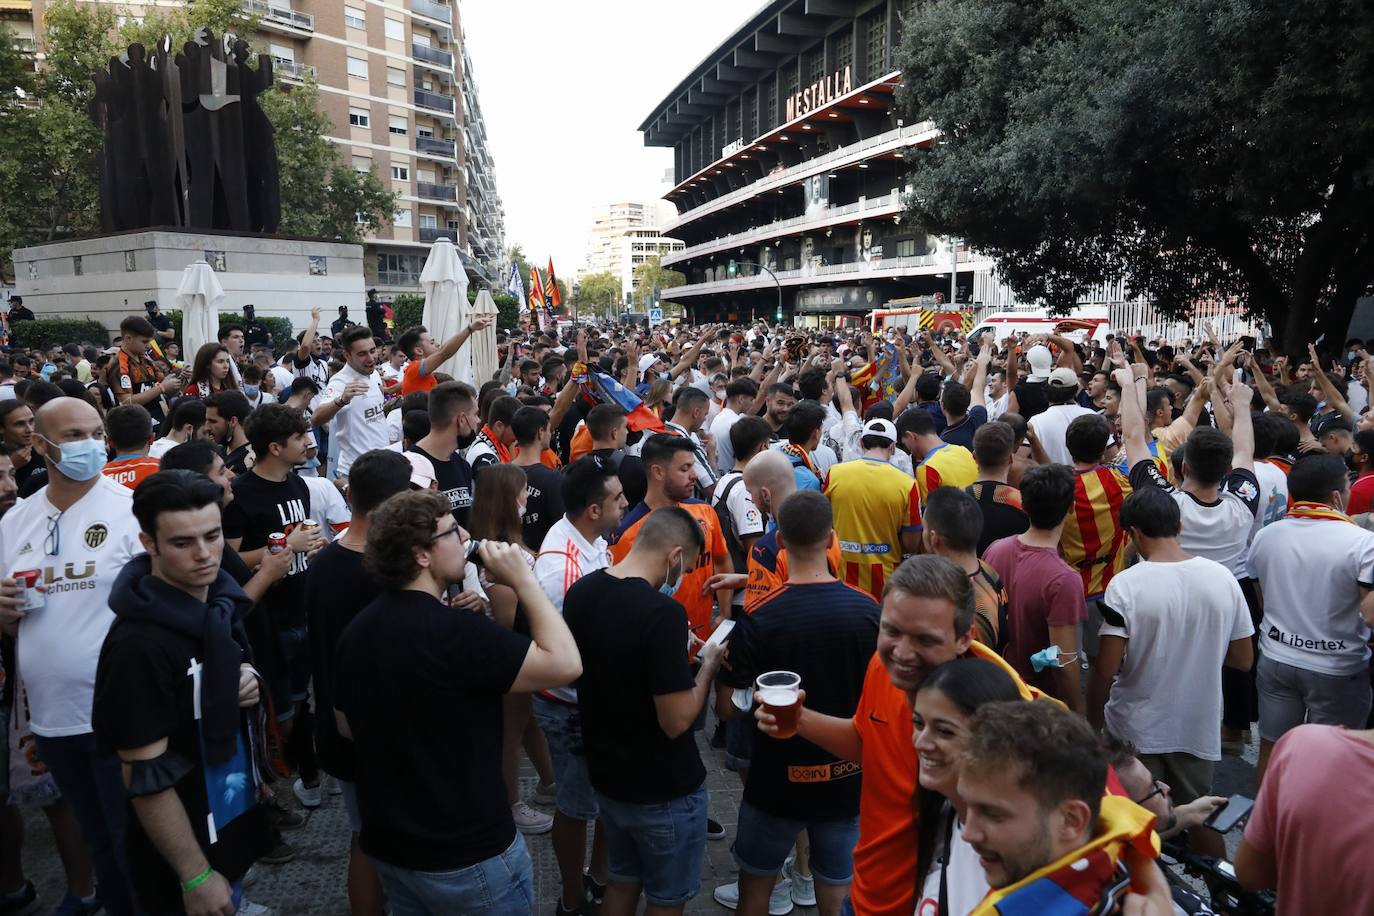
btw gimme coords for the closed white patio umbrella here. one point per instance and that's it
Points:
(446, 305)
(198, 296)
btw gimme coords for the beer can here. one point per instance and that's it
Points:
(311, 525)
(276, 542)
(28, 580)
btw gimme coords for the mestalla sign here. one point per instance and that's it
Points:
(821, 92)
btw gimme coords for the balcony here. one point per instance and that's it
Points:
(401, 278)
(884, 268)
(435, 101)
(276, 17)
(428, 55)
(290, 70)
(435, 233)
(440, 11)
(434, 146)
(431, 191)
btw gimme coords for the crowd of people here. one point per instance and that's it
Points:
(1026, 594)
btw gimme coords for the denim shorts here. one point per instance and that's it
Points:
(500, 886)
(1290, 696)
(763, 841)
(739, 743)
(562, 727)
(660, 847)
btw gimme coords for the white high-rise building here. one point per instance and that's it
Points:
(625, 235)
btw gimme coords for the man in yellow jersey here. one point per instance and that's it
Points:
(877, 511)
(936, 462)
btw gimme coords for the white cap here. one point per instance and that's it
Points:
(647, 360)
(881, 428)
(1063, 378)
(1040, 361)
(421, 470)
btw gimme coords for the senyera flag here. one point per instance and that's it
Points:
(599, 388)
(551, 295)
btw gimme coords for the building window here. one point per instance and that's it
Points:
(751, 113)
(395, 29)
(402, 219)
(426, 132)
(400, 172)
(359, 117)
(395, 76)
(429, 221)
(283, 52)
(876, 24)
(357, 67)
(844, 48)
(770, 106)
(790, 81)
(815, 64)
(362, 165)
(355, 17)
(906, 248)
(399, 125)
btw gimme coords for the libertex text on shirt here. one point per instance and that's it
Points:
(78, 553)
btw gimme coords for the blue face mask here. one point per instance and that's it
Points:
(250, 391)
(81, 460)
(670, 588)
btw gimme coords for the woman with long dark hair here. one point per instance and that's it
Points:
(949, 879)
(211, 372)
(498, 506)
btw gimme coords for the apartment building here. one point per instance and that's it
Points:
(398, 86)
(625, 235)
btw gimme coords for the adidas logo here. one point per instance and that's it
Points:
(27, 548)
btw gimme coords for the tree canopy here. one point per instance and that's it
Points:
(653, 275)
(1197, 149)
(601, 291)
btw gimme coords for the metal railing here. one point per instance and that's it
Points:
(827, 216)
(289, 69)
(435, 146)
(440, 11)
(436, 101)
(430, 55)
(434, 233)
(398, 278)
(900, 136)
(799, 276)
(285, 15)
(435, 191)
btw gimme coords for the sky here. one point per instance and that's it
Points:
(563, 85)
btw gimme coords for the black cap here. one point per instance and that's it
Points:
(150, 304)
(342, 309)
(16, 300)
(249, 306)
(372, 292)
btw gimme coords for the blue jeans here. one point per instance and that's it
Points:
(93, 785)
(763, 840)
(660, 847)
(562, 727)
(500, 886)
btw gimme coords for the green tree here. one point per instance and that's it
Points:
(321, 196)
(600, 291)
(653, 275)
(183, 21)
(1196, 149)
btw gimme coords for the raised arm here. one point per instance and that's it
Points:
(1334, 398)
(978, 387)
(303, 352)
(1266, 390)
(1132, 416)
(1068, 355)
(690, 357)
(1242, 431)
(454, 344)
(946, 366)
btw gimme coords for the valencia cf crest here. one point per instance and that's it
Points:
(96, 535)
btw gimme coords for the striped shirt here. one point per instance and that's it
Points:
(1093, 541)
(945, 466)
(874, 503)
(564, 557)
(768, 568)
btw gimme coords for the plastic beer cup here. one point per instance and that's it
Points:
(778, 690)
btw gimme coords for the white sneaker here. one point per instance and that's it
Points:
(331, 786)
(546, 795)
(307, 796)
(529, 821)
(779, 902)
(803, 886)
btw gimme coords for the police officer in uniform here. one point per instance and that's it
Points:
(341, 324)
(255, 332)
(162, 325)
(376, 315)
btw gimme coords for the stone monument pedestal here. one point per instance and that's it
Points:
(107, 278)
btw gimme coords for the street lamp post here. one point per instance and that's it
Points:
(776, 282)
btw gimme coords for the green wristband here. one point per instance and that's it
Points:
(198, 880)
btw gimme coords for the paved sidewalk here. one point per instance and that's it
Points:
(313, 884)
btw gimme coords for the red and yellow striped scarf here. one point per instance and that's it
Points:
(1317, 510)
(802, 455)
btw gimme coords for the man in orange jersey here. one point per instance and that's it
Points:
(1093, 541)
(129, 430)
(927, 620)
(669, 462)
(877, 513)
(936, 462)
(426, 356)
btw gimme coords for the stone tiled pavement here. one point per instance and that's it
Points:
(313, 884)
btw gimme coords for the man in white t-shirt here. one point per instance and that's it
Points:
(1050, 427)
(353, 400)
(1169, 624)
(1316, 582)
(746, 521)
(575, 546)
(77, 533)
(739, 395)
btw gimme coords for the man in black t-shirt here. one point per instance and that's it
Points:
(337, 588)
(638, 700)
(271, 499)
(225, 415)
(177, 697)
(825, 631)
(998, 501)
(452, 415)
(419, 688)
(543, 501)
(609, 430)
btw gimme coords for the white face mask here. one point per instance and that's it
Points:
(520, 509)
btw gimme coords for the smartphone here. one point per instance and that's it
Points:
(1232, 813)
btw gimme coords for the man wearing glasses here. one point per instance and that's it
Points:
(432, 800)
(76, 534)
